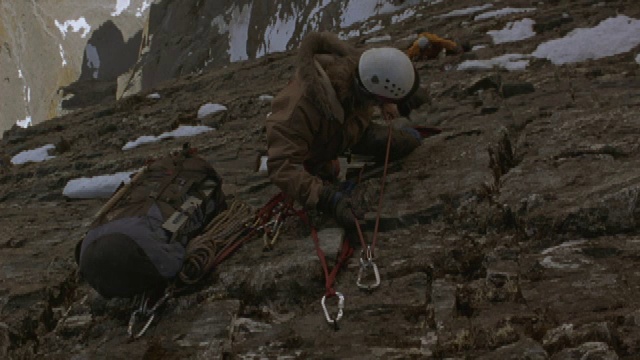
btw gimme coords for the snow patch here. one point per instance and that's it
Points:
(406, 14)
(76, 26)
(265, 97)
(278, 34)
(239, 32)
(24, 123)
(466, 11)
(121, 6)
(182, 131)
(356, 11)
(64, 61)
(153, 96)
(209, 108)
(101, 186)
(35, 155)
(511, 62)
(502, 12)
(478, 47)
(146, 4)
(513, 31)
(610, 37)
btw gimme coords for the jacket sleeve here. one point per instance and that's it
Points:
(449, 45)
(414, 51)
(288, 142)
(374, 143)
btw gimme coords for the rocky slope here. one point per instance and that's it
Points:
(513, 234)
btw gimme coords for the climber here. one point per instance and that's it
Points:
(428, 46)
(327, 108)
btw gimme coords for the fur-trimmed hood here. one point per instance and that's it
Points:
(316, 81)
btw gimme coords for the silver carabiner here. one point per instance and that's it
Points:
(132, 322)
(340, 309)
(143, 311)
(363, 266)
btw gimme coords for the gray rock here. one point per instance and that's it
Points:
(5, 342)
(514, 89)
(524, 349)
(587, 351)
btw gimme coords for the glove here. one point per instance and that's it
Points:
(334, 203)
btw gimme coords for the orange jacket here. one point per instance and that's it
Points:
(437, 44)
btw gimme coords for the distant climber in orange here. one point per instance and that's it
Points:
(428, 46)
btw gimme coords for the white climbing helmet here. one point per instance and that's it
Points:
(423, 42)
(386, 72)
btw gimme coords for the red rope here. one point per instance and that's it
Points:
(345, 253)
(382, 182)
(262, 216)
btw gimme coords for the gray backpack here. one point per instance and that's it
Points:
(137, 241)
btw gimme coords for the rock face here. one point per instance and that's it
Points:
(47, 45)
(57, 57)
(512, 234)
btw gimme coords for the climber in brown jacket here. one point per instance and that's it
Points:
(428, 46)
(326, 109)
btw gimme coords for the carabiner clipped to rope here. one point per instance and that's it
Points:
(364, 265)
(334, 321)
(143, 311)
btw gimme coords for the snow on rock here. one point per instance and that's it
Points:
(378, 39)
(24, 123)
(513, 31)
(121, 6)
(610, 37)
(510, 62)
(265, 97)
(154, 96)
(182, 131)
(466, 11)
(502, 12)
(35, 155)
(406, 14)
(78, 25)
(102, 186)
(209, 108)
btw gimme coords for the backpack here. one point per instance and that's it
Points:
(136, 243)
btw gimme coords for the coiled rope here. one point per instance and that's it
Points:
(226, 229)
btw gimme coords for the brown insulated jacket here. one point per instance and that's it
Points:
(317, 116)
